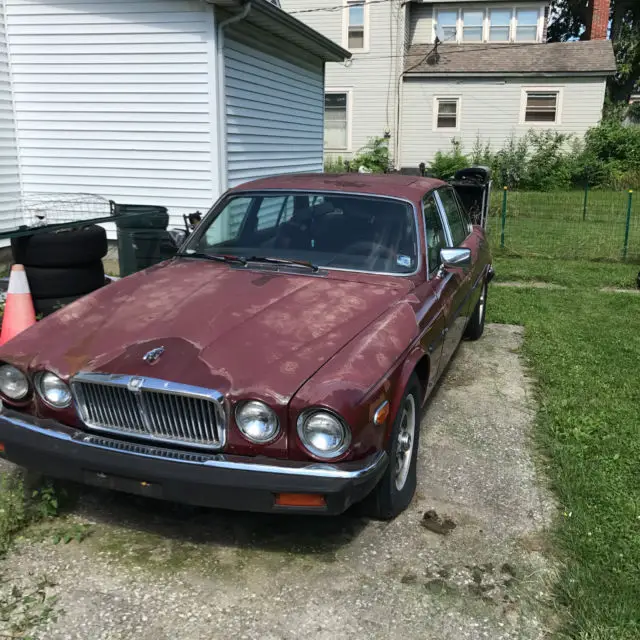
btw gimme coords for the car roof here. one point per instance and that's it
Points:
(380, 184)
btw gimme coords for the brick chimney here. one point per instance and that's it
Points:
(599, 20)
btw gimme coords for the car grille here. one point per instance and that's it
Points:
(151, 409)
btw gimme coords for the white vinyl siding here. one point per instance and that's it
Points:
(371, 76)
(9, 171)
(275, 113)
(116, 99)
(491, 110)
(420, 23)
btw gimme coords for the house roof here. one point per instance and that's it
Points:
(267, 16)
(588, 57)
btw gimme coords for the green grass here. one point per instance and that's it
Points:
(566, 273)
(584, 349)
(553, 224)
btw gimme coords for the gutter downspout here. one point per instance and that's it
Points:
(222, 114)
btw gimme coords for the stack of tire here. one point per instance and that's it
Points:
(62, 266)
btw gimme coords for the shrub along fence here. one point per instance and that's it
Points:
(582, 224)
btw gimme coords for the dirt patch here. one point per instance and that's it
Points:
(156, 571)
(532, 284)
(615, 290)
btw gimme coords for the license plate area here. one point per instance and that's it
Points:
(121, 483)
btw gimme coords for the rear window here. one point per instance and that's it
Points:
(361, 233)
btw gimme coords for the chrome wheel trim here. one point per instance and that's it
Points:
(405, 442)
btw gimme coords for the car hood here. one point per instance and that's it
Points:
(239, 331)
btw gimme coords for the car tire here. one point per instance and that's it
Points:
(65, 248)
(46, 306)
(58, 282)
(475, 328)
(395, 490)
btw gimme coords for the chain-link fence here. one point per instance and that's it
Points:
(587, 224)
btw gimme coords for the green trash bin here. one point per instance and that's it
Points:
(143, 239)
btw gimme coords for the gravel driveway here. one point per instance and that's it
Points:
(156, 571)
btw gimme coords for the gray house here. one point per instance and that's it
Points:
(160, 102)
(423, 73)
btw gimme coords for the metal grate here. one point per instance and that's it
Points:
(150, 409)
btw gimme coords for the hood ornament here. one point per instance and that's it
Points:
(151, 356)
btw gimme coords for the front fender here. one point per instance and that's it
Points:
(360, 377)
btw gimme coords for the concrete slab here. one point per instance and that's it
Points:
(155, 571)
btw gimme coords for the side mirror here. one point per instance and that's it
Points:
(455, 258)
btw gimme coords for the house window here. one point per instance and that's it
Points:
(472, 25)
(541, 106)
(526, 25)
(448, 20)
(447, 113)
(355, 26)
(336, 121)
(499, 25)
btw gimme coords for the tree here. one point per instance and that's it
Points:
(569, 21)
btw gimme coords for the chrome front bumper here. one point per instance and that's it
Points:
(194, 477)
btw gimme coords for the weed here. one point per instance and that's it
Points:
(14, 514)
(45, 501)
(22, 611)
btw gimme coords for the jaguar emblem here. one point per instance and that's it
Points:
(151, 356)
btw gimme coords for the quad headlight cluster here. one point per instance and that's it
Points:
(14, 385)
(321, 432)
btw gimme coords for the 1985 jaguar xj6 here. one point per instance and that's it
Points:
(279, 362)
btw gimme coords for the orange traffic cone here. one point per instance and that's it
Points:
(19, 313)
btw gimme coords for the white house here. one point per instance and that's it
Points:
(426, 71)
(163, 102)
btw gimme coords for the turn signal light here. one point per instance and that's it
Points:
(300, 500)
(381, 414)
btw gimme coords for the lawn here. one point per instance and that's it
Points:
(555, 224)
(583, 347)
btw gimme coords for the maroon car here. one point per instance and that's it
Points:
(278, 363)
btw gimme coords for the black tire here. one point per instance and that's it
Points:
(387, 501)
(46, 306)
(65, 248)
(57, 282)
(475, 328)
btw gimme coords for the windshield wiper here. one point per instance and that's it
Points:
(297, 263)
(217, 257)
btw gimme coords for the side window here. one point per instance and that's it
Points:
(464, 213)
(436, 237)
(457, 224)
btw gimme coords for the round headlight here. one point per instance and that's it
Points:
(257, 421)
(13, 383)
(54, 391)
(323, 434)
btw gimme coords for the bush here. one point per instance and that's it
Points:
(444, 165)
(374, 156)
(548, 166)
(608, 158)
(334, 165)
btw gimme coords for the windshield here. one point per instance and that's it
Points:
(361, 233)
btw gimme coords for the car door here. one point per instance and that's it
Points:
(435, 293)
(457, 282)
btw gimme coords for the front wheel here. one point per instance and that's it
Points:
(393, 494)
(475, 328)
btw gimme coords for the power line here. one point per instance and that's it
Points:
(337, 7)
(464, 49)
